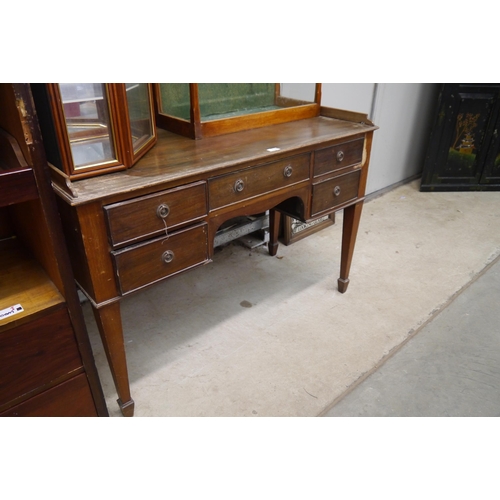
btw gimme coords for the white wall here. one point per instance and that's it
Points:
(403, 111)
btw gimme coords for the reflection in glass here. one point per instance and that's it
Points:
(301, 91)
(139, 113)
(86, 112)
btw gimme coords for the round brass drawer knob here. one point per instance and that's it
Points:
(340, 156)
(162, 211)
(239, 185)
(287, 172)
(336, 190)
(167, 256)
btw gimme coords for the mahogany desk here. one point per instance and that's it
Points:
(131, 229)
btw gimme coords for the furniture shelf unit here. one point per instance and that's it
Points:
(46, 363)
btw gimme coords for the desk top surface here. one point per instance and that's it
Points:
(176, 159)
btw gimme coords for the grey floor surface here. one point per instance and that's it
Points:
(250, 335)
(450, 368)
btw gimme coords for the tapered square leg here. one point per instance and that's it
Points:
(352, 216)
(109, 322)
(274, 229)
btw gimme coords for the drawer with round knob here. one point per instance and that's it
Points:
(338, 157)
(256, 181)
(146, 263)
(334, 192)
(140, 218)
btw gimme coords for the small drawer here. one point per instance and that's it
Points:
(36, 353)
(146, 263)
(335, 192)
(69, 399)
(141, 218)
(258, 180)
(338, 157)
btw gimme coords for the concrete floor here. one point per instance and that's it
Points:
(450, 368)
(253, 335)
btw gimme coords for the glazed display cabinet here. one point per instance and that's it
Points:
(95, 128)
(198, 110)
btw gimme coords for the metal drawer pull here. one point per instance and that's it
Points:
(336, 190)
(340, 156)
(239, 186)
(287, 172)
(162, 211)
(167, 256)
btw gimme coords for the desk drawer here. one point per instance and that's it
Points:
(138, 219)
(258, 180)
(338, 157)
(335, 192)
(146, 263)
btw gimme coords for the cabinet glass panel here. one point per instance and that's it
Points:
(139, 108)
(199, 110)
(225, 100)
(174, 100)
(87, 116)
(304, 92)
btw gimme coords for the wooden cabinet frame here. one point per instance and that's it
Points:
(196, 128)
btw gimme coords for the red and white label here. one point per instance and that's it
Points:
(10, 311)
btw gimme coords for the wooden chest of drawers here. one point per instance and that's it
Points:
(46, 362)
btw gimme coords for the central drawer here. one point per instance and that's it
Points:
(235, 187)
(141, 218)
(146, 263)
